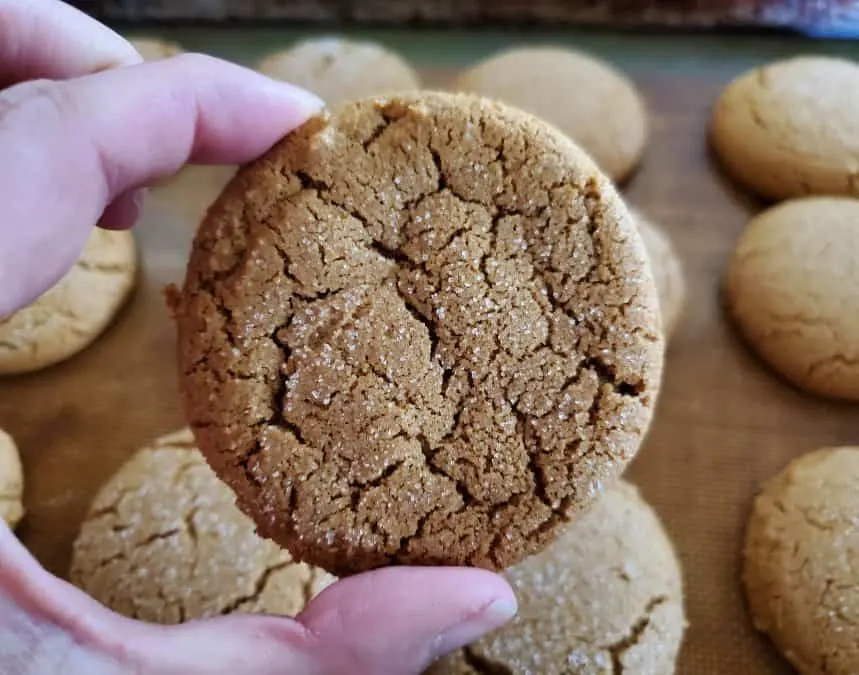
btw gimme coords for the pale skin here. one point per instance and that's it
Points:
(84, 127)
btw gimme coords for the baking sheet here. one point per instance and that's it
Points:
(723, 424)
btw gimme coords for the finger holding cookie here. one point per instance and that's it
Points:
(73, 135)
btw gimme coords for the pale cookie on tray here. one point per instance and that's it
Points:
(583, 96)
(605, 598)
(72, 314)
(667, 270)
(792, 289)
(337, 69)
(800, 562)
(11, 481)
(420, 330)
(155, 49)
(791, 128)
(164, 542)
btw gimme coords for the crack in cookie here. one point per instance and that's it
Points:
(163, 542)
(605, 597)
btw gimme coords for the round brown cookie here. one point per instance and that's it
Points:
(337, 70)
(790, 128)
(586, 98)
(800, 572)
(791, 290)
(155, 49)
(606, 597)
(11, 481)
(667, 270)
(71, 315)
(420, 330)
(164, 542)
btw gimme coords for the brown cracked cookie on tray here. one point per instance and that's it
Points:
(667, 271)
(164, 542)
(337, 69)
(76, 311)
(11, 481)
(790, 289)
(420, 330)
(605, 598)
(799, 562)
(790, 128)
(584, 96)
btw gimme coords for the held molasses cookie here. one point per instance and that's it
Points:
(790, 128)
(337, 70)
(791, 289)
(165, 543)
(606, 597)
(586, 98)
(800, 570)
(155, 49)
(71, 315)
(11, 481)
(420, 330)
(667, 270)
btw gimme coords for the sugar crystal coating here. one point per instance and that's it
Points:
(164, 542)
(799, 567)
(605, 598)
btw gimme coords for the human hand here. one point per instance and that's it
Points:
(75, 148)
(392, 621)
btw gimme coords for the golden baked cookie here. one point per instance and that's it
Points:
(800, 562)
(72, 314)
(164, 542)
(605, 598)
(790, 128)
(791, 289)
(155, 49)
(11, 481)
(586, 98)
(667, 270)
(337, 69)
(420, 330)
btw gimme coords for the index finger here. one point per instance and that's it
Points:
(68, 149)
(53, 40)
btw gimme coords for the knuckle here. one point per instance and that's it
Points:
(35, 98)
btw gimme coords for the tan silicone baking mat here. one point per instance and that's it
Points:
(723, 423)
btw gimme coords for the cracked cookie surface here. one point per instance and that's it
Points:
(791, 290)
(164, 542)
(800, 572)
(72, 314)
(11, 481)
(337, 69)
(605, 598)
(420, 330)
(586, 98)
(790, 128)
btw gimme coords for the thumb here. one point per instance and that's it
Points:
(393, 621)
(389, 622)
(398, 620)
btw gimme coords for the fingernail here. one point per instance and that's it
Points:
(476, 625)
